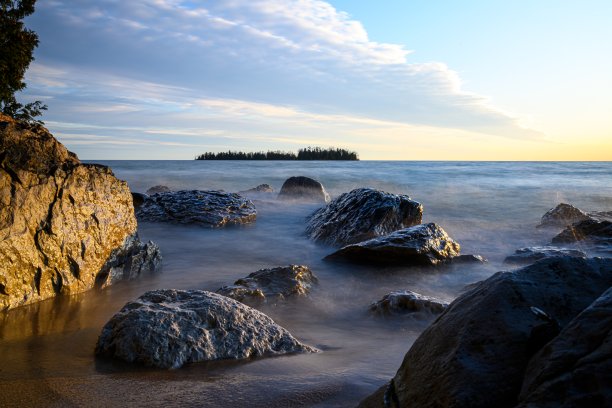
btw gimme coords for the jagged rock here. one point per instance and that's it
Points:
(158, 189)
(468, 259)
(562, 215)
(60, 220)
(303, 189)
(594, 232)
(169, 328)
(476, 352)
(575, 368)
(424, 244)
(205, 208)
(532, 254)
(362, 214)
(407, 302)
(271, 284)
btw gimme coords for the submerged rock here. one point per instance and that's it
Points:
(158, 189)
(262, 188)
(61, 221)
(475, 354)
(407, 302)
(303, 189)
(532, 254)
(575, 368)
(563, 215)
(362, 214)
(205, 208)
(424, 244)
(594, 232)
(169, 328)
(271, 284)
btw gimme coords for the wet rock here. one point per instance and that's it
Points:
(475, 353)
(468, 259)
(158, 189)
(532, 254)
(362, 214)
(593, 232)
(563, 215)
(61, 220)
(205, 208)
(138, 199)
(270, 285)
(575, 368)
(424, 244)
(262, 188)
(169, 328)
(303, 189)
(406, 302)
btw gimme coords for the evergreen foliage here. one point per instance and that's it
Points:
(308, 153)
(16, 46)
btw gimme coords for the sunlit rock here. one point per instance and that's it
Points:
(476, 352)
(407, 302)
(200, 207)
(271, 285)
(563, 215)
(170, 328)
(303, 189)
(362, 214)
(424, 244)
(532, 254)
(61, 221)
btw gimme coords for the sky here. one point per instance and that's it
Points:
(392, 80)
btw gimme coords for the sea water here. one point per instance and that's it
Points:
(490, 208)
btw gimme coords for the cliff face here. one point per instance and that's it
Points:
(60, 220)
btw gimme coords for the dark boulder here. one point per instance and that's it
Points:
(424, 244)
(532, 254)
(575, 368)
(362, 214)
(407, 302)
(205, 208)
(303, 189)
(593, 232)
(138, 199)
(562, 215)
(270, 285)
(169, 328)
(158, 189)
(476, 352)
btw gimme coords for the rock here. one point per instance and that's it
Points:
(575, 368)
(262, 188)
(532, 254)
(169, 328)
(205, 208)
(158, 189)
(362, 214)
(424, 244)
(61, 221)
(271, 284)
(406, 302)
(303, 189)
(138, 199)
(562, 215)
(468, 259)
(594, 232)
(475, 353)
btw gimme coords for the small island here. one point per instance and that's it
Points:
(308, 153)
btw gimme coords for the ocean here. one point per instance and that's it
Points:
(490, 208)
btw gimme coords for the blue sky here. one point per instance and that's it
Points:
(169, 79)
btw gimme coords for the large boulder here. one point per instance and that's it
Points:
(206, 208)
(303, 189)
(594, 232)
(170, 328)
(475, 354)
(563, 215)
(574, 369)
(532, 254)
(424, 244)
(406, 302)
(61, 221)
(362, 214)
(271, 285)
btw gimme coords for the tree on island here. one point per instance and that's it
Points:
(16, 46)
(308, 153)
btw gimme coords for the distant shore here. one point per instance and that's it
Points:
(308, 153)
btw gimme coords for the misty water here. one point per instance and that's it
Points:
(491, 209)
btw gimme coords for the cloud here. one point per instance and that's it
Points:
(274, 62)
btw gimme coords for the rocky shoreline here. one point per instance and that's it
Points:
(514, 339)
